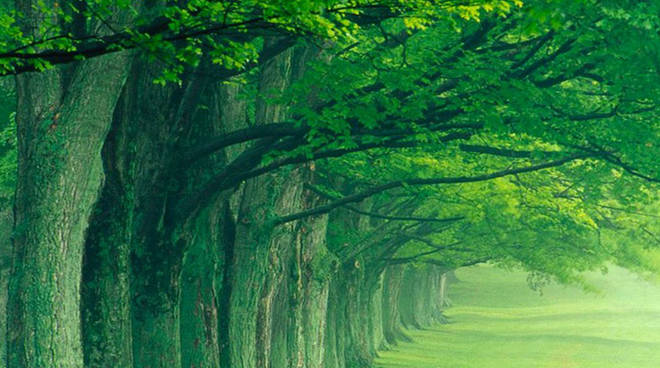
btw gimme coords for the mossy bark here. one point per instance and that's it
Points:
(357, 351)
(106, 314)
(6, 223)
(199, 311)
(275, 305)
(247, 275)
(317, 267)
(60, 173)
(336, 330)
(169, 117)
(408, 298)
(374, 311)
(392, 328)
(251, 300)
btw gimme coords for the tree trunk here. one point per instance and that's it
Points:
(199, 313)
(374, 313)
(317, 267)
(249, 329)
(408, 298)
(59, 175)
(6, 223)
(357, 350)
(169, 117)
(336, 329)
(391, 316)
(63, 116)
(106, 313)
(274, 307)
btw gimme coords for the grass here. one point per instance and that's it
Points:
(498, 322)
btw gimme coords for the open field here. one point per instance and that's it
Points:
(497, 321)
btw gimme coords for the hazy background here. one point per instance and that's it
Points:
(496, 321)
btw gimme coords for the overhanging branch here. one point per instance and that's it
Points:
(504, 152)
(384, 217)
(415, 182)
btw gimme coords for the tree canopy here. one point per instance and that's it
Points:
(277, 149)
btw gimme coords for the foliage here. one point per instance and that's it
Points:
(180, 35)
(414, 92)
(536, 85)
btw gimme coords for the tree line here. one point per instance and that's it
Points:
(290, 183)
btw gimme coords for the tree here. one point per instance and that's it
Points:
(194, 209)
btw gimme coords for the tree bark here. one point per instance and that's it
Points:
(317, 267)
(357, 350)
(374, 313)
(250, 314)
(63, 116)
(199, 312)
(60, 172)
(336, 330)
(106, 314)
(6, 223)
(392, 327)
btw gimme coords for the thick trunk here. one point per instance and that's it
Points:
(199, 313)
(6, 223)
(251, 300)
(374, 313)
(335, 349)
(156, 337)
(280, 314)
(357, 349)
(365, 315)
(106, 311)
(409, 298)
(248, 272)
(391, 316)
(212, 238)
(273, 304)
(233, 116)
(168, 118)
(259, 268)
(106, 314)
(60, 172)
(305, 294)
(312, 333)
(317, 267)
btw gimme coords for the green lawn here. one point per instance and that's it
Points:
(498, 322)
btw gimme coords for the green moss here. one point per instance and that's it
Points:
(323, 265)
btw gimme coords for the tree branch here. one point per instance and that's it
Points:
(93, 45)
(414, 182)
(466, 264)
(504, 152)
(241, 136)
(325, 195)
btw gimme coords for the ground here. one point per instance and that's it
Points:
(496, 321)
